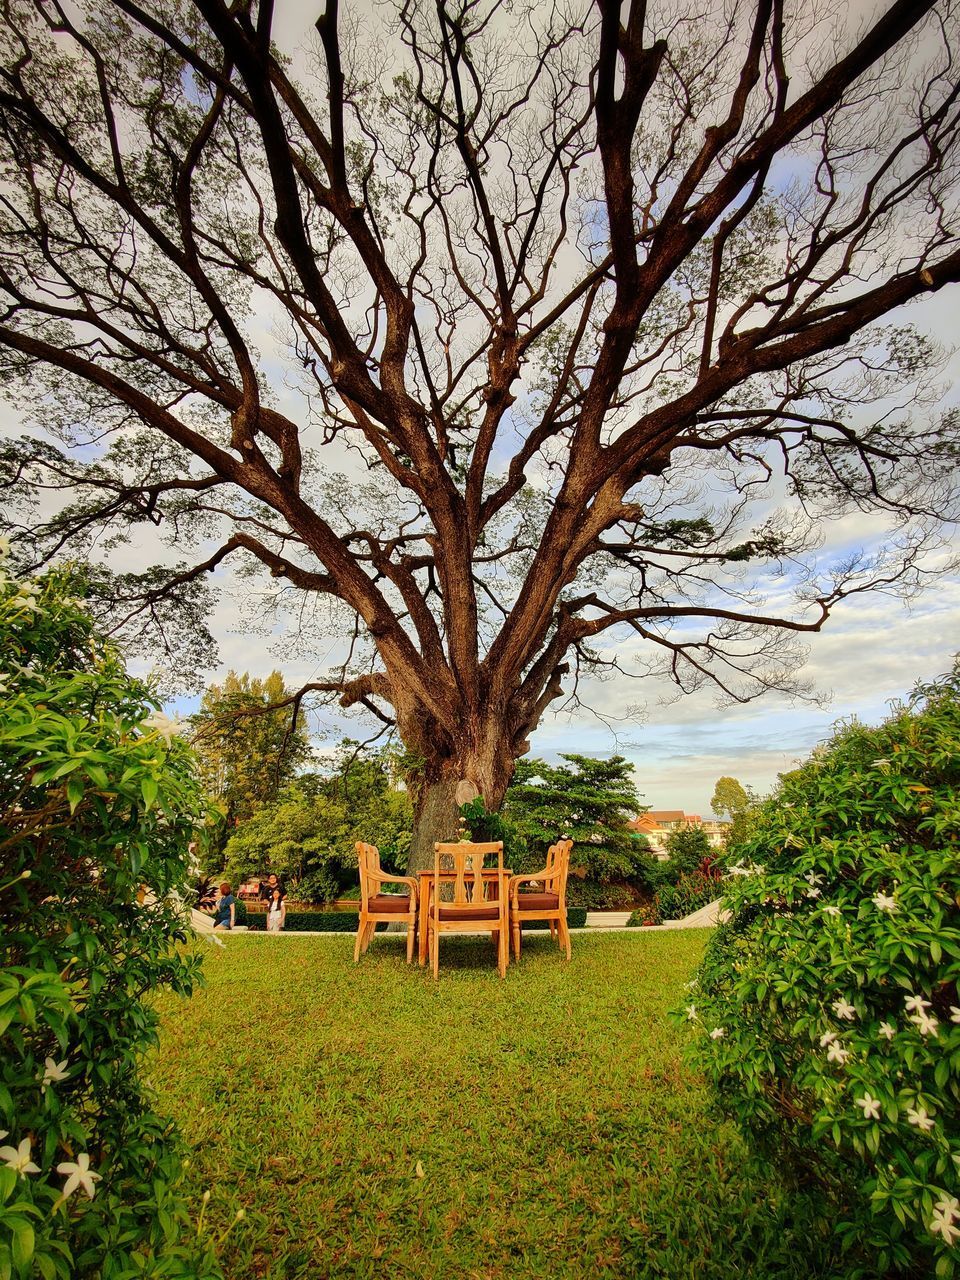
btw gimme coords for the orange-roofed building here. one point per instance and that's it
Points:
(656, 825)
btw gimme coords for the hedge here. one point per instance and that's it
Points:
(346, 921)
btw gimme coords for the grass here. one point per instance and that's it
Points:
(372, 1122)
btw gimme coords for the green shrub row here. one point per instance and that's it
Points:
(346, 921)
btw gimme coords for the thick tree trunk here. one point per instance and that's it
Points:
(436, 813)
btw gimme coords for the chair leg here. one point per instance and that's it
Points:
(516, 939)
(368, 934)
(435, 953)
(564, 935)
(361, 929)
(553, 930)
(411, 935)
(502, 951)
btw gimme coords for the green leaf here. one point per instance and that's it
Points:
(148, 789)
(75, 791)
(22, 1243)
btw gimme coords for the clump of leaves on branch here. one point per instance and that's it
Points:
(98, 804)
(584, 295)
(827, 1011)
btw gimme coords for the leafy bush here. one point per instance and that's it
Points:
(688, 848)
(308, 838)
(97, 807)
(591, 802)
(689, 894)
(827, 1008)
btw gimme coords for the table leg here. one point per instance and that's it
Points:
(423, 928)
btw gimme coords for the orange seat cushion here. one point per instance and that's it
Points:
(394, 904)
(469, 913)
(538, 901)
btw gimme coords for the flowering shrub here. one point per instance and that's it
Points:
(689, 894)
(97, 807)
(827, 1008)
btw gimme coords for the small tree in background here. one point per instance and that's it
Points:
(247, 753)
(729, 797)
(98, 804)
(688, 848)
(589, 800)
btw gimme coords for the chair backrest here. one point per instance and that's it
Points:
(558, 863)
(368, 859)
(465, 862)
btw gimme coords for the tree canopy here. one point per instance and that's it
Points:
(592, 314)
(729, 796)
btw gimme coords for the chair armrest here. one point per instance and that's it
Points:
(545, 876)
(384, 877)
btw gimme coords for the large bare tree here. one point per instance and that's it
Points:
(592, 292)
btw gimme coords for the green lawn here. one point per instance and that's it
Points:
(556, 1130)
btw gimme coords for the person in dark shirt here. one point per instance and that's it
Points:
(267, 887)
(225, 916)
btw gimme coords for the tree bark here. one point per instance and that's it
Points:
(436, 814)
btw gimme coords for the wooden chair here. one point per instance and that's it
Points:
(376, 907)
(548, 904)
(468, 910)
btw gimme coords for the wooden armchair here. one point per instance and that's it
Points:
(468, 910)
(376, 907)
(548, 904)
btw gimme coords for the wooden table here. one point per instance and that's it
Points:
(423, 907)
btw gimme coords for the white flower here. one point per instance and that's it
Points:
(916, 1004)
(18, 1158)
(926, 1025)
(882, 765)
(54, 1072)
(887, 1030)
(596, 838)
(691, 1012)
(844, 1010)
(813, 879)
(162, 724)
(832, 911)
(949, 1206)
(942, 1224)
(718, 1033)
(837, 1053)
(870, 1105)
(954, 1013)
(828, 1037)
(883, 902)
(78, 1174)
(919, 1118)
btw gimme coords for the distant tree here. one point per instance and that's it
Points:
(246, 753)
(605, 300)
(591, 801)
(729, 797)
(687, 848)
(307, 836)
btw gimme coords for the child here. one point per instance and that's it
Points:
(225, 916)
(276, 910)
